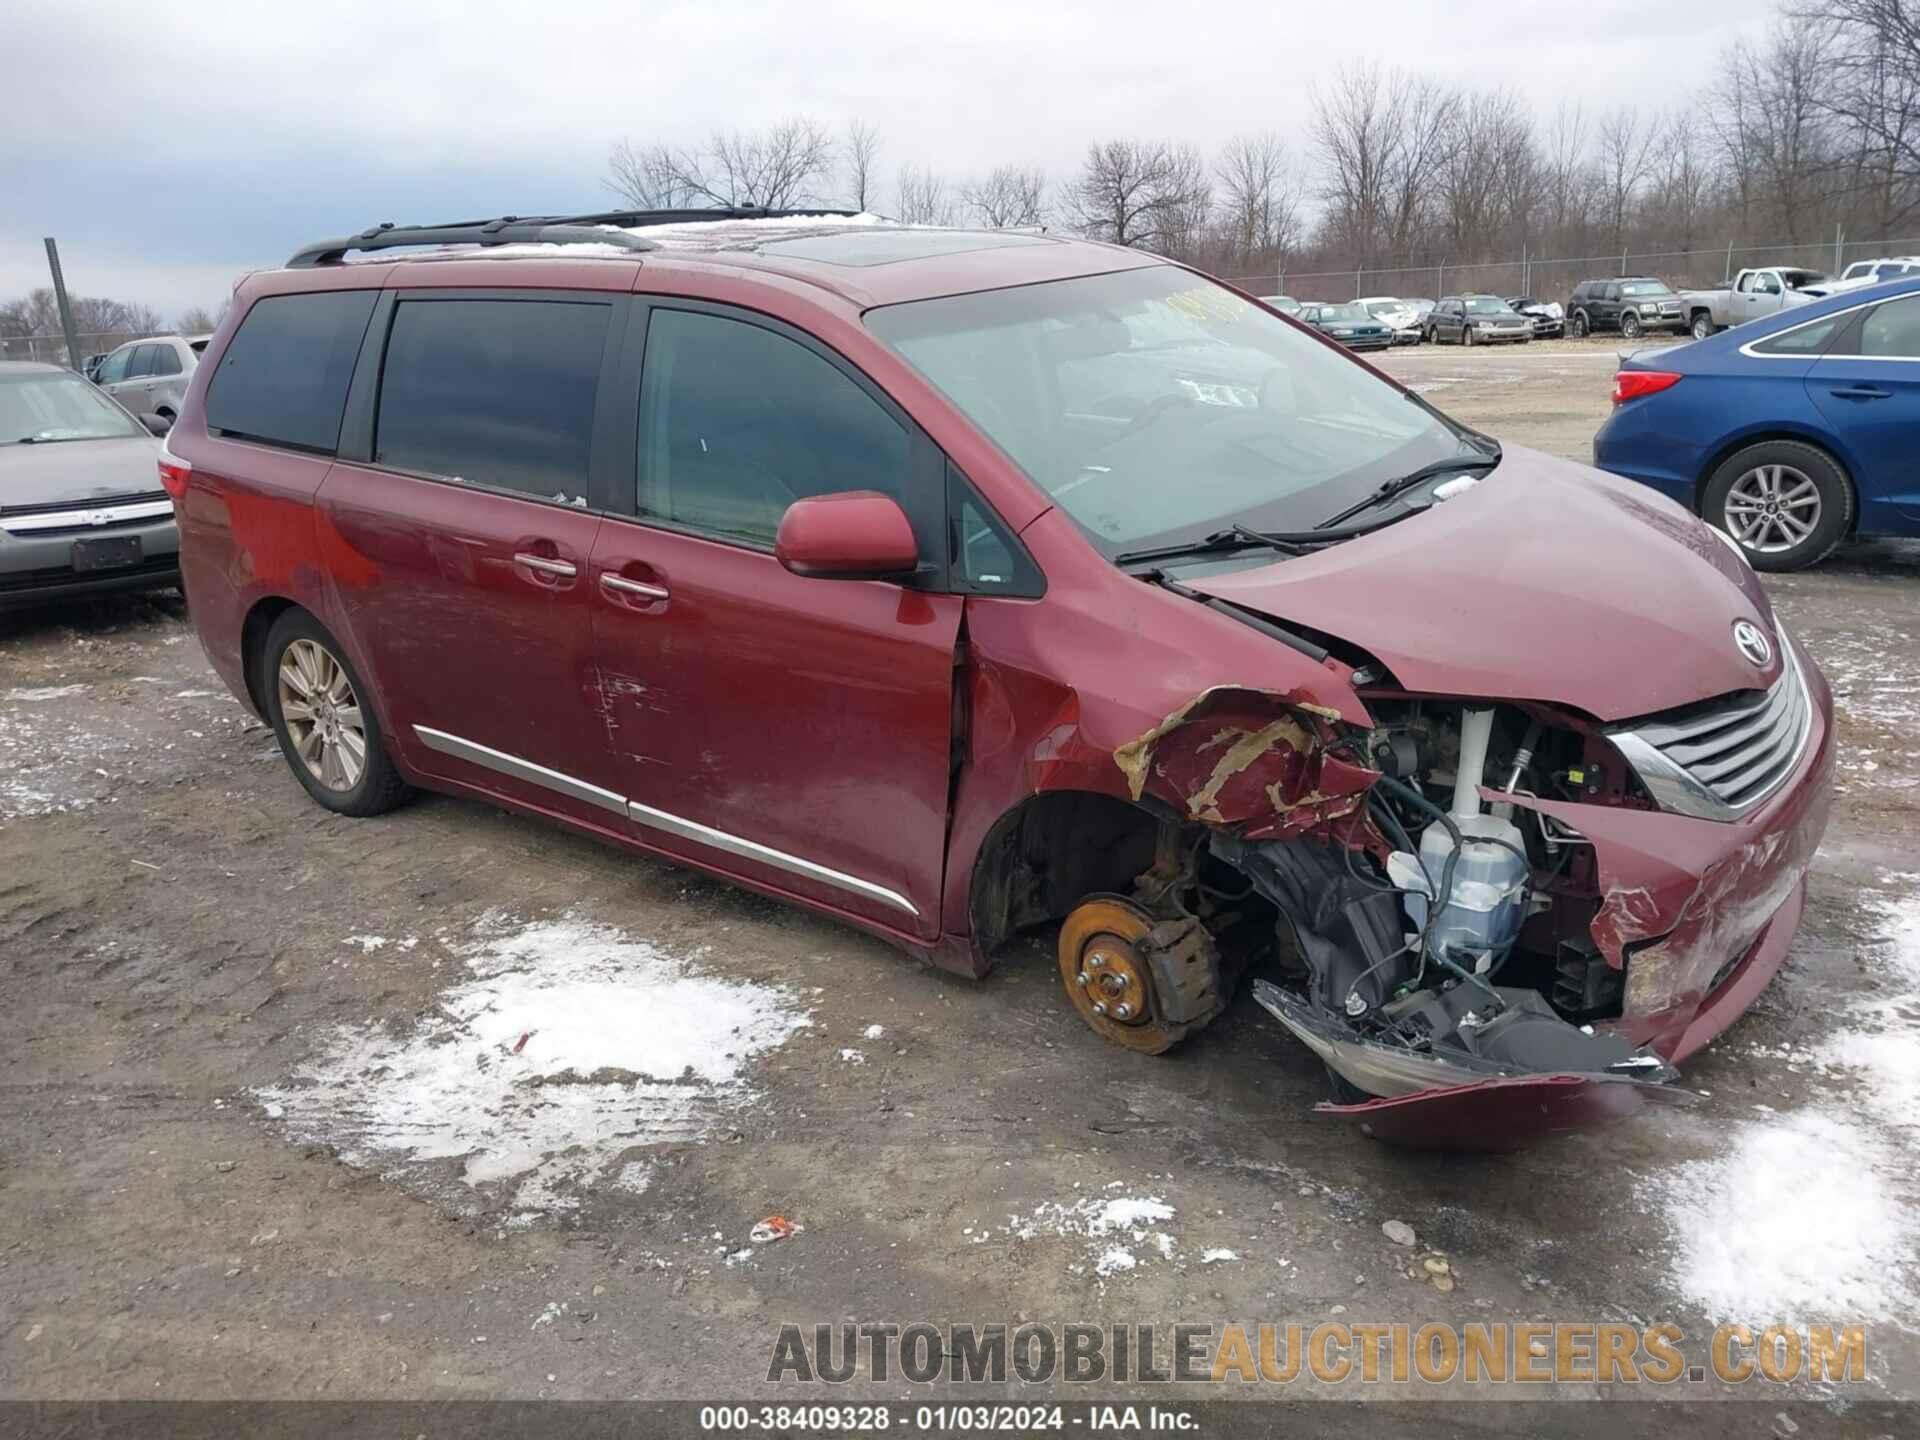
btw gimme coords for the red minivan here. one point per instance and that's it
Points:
(958, 583)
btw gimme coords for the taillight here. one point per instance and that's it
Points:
(1632, 384)
(174, 474)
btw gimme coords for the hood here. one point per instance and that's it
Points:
(78, 470)
(1546, 581)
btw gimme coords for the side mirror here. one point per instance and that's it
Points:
(854, 535)
(156, 424)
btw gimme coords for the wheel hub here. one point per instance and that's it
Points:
(1113, 976)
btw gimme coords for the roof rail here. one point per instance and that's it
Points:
(605, 228)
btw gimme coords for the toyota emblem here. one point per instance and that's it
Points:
(1752, 642)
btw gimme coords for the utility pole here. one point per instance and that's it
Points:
(1837, 247)
(66, 308)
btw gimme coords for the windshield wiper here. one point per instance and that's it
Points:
(1220, 542)
(1403, 483)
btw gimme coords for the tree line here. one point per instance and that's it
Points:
(1814, 125)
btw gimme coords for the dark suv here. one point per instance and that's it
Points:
(841, 560)
(1633, 305)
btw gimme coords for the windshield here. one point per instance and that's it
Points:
(1156, 407)
(1645, 287)
(1388, 307)
(1348, 314)
(42, 406)
(1487, 305)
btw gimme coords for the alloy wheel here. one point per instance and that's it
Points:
(322, 714)
(1773, 508)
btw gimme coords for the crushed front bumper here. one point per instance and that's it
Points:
(1699, 913)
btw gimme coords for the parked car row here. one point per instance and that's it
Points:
(1375, 322)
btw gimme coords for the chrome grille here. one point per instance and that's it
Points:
(1720, 759)
(39, 522)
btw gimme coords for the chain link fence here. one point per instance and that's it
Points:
(1554, 279)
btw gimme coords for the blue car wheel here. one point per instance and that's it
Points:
(1787, 504)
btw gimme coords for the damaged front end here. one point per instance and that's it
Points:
(1477, 916)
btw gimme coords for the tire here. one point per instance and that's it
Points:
(1580, 327)
(299, 662)
(1630, 327)
(1343, 1091)
(1812, 497)
(1466, 336)
(1702, 326)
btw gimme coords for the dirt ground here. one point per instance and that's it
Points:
(226, 1170)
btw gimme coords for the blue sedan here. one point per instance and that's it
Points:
(1789, 433)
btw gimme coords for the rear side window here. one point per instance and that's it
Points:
(499, 392)
(166, 361)
(284, 376)
(737, 422)
(1810, 339)
(1892, 331)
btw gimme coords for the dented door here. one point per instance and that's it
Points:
(791, 731)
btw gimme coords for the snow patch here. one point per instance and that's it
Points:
(1114, 1260)
(1816, 1213)
(1108, 1226)
(568, 1045)
(1796, 1220)
(873, 1032)
(45, 692)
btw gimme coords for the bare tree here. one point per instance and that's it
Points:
(38, 313)
(1683, 176)
(1260, 197)
(1872, 91)
(201, 321)
(1772, 124)
(1380, 136)
(1143, 193)
(922, 198)
(1011, 197)
(862, 151)
(1354, 141)
(1490, 152)
(1625, 152)
(1565, 164)
(775, 169)
(1426, 125)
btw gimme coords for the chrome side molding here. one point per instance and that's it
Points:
(765, 854)
(505, 764)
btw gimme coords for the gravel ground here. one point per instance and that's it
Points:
(267, 1132)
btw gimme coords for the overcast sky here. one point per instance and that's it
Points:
(171, 147)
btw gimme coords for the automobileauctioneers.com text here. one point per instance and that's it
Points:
(1329, 1353)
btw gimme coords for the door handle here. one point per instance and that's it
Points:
(562, 568)
(632, 587)
(1859, 392)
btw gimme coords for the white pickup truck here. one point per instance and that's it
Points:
(1754, 293)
